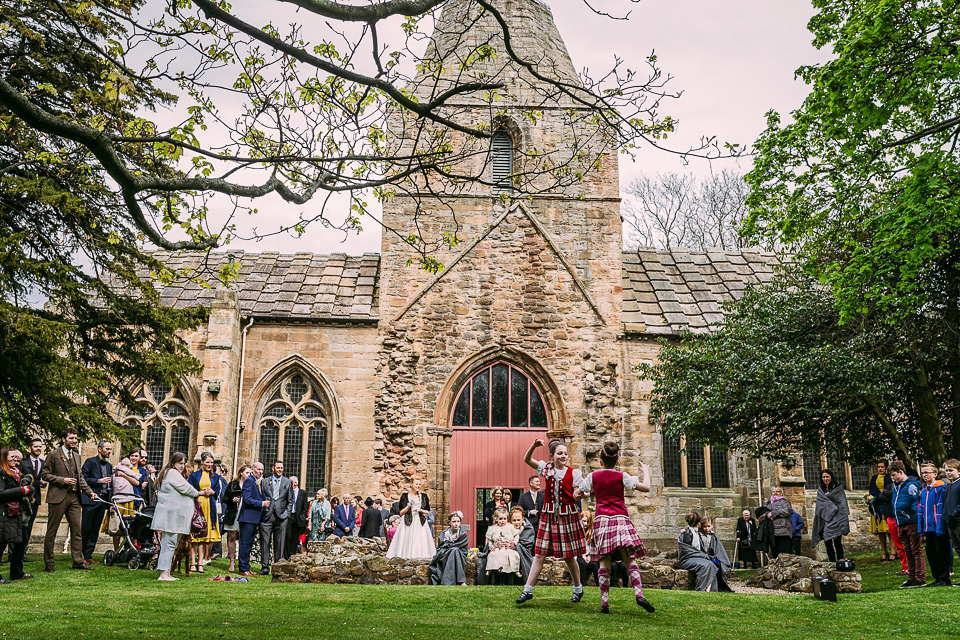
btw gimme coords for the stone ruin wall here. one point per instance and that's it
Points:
(510, 293)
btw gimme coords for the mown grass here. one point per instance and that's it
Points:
(113, 602)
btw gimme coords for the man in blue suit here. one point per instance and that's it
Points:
(253, 506)
(98, 472)
(344, 517)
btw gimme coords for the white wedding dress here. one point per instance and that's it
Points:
(414, 541)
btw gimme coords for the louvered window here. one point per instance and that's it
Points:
(501, 162)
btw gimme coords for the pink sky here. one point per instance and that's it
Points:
(733, 60)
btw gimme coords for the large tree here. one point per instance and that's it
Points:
(863, 184)
(784, 374)
(127, 125)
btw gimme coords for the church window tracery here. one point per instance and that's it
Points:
(500, 396)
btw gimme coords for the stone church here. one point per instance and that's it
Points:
(362, 372)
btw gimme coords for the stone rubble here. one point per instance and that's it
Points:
(796, 573)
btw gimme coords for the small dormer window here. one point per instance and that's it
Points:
(501, 162)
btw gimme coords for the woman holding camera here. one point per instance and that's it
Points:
(15, 510)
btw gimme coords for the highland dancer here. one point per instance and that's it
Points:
(561, 533)
(613, 533)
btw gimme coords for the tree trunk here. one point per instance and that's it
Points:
(928, 417)
(891, 430)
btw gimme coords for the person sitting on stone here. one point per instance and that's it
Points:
(701, 554)
(449, 564)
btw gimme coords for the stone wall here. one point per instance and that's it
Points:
(346, 357)
(362, 561)
(511, 297)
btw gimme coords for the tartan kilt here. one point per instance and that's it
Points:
(612, 533)
(561, 536)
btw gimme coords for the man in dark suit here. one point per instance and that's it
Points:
(33, 465)
(65, 483)
(532, 502)
(297, 521)
(98, 472)
(344, 517)
(273, 522)
(254, 504)
(372, 520)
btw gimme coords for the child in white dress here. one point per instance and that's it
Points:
(503, 557)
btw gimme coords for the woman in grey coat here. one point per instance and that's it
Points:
(832, 520)
(174, 511)
(780, 511)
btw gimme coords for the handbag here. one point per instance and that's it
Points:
(328, 528)
(113, 523)
(198, 525)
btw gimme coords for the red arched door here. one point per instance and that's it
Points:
(498, 413)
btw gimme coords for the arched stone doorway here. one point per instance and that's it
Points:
(498, 405)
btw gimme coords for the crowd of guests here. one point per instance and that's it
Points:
(908, 511)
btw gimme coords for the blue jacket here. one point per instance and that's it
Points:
(344, 520)
(252, 502)
(951, 504)
(906, 496)
(92, 472)
(930, 509)
(219, 486)
(798, 523)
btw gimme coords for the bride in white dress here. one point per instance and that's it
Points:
(413, 538)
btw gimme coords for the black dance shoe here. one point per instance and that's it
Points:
(604, 608)
(645, 604)
(576, 597)
(524, 596)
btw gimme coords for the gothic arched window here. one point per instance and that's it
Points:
(501, 162)
(500, 396)
(293, 428)
(162, 421)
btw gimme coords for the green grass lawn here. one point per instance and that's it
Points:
(114, 602)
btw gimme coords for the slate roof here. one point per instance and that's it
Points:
(297, 286)
(666, 292)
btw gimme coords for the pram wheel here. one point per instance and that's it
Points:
(152, 565)
(134, 563)
(109, 557)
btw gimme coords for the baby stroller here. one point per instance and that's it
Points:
(139, 550)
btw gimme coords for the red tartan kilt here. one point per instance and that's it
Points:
(561, 536)
(613, 533)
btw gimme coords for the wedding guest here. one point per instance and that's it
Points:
(780, 512)
(318, 517)
(746, 532)
(174, 512)
(65, 483)
(15, 511)
(233, 498)
(206, 477)
(413, 539)
(832, 519)
(449, 564)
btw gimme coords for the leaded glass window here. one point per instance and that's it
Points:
(672, 471)
(162, 421)
(293, 428)
(500, 396)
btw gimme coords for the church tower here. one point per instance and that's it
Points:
(516, 337)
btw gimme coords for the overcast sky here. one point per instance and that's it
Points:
(733, 60)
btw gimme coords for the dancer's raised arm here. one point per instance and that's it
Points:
(528, 456)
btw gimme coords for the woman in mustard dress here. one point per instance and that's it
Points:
(206, 477)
